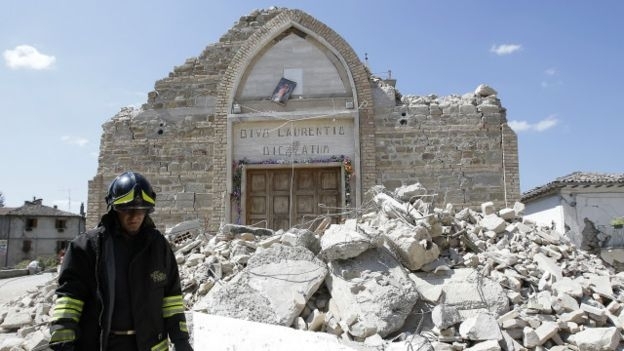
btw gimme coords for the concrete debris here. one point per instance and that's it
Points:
(468, 291)
(402, 275)
(183, 227)
(302, 237)
(184, 232)
(274, 287)
(371, 292)
(445, 316)
(17, 319)
(241, 229)
(598, 339)
(214, 332)
(480, 327)
(409, 193)
(412, 244)
(339, 243)
(485, 90)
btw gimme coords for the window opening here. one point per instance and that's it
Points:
(31, 223)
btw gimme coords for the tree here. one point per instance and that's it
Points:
(1, 199)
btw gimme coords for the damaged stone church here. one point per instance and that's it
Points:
(280, 123)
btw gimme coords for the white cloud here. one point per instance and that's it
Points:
(72, 140)
(26, 56)
(545, 124)
(551, 81)
(547, 84)
(505, 49)
(519, 126)
(550, 72)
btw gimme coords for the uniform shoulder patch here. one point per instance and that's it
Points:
(158, 276)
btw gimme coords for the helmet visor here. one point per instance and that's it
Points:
(132, 200)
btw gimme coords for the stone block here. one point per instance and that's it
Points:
(16, 319)
(494, 223)
(507, 214)
(265, 291)
(371, 292)
(569, 287)
(487, 208)
(597, 339)
(467, 109)
(36, 341)
(339, 242)
(412, 244)
(444, 316)
(483, 326)
(469, 292)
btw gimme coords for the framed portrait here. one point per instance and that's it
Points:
(282, 91)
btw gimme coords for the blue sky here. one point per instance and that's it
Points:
(68, 66)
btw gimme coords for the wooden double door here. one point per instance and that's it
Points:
(280, 198)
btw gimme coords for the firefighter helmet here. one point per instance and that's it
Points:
(130, 190)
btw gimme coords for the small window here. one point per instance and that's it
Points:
(26, 246)
(31, 223)
(61, 224)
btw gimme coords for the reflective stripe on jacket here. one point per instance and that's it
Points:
(83, 309)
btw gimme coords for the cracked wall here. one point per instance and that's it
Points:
(459, 146)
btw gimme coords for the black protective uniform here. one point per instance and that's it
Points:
(86, 295)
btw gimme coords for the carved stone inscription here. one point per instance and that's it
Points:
(292, 140)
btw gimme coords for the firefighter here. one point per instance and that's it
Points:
(119, 285)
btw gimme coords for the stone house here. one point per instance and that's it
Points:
(280, 122)
(581, 206)
(35, 230)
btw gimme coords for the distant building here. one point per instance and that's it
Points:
(34, 230)
(581, 206)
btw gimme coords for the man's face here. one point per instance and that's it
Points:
(131, 220)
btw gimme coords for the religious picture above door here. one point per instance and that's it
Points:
(283, 90)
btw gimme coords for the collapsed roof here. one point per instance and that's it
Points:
(404, 273)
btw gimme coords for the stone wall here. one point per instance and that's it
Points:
(460, 147)
(175, 154)
(344, 56)
(171, 140)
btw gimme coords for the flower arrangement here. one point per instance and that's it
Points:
(348, 168)
(237, 177)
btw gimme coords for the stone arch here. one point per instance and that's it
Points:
(360, 83)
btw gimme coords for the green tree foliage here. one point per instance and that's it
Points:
(1, 199)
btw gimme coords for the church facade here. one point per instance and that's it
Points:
(280, 123)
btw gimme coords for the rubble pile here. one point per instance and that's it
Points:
(401, 273)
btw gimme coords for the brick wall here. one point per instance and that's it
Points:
(459, 147)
